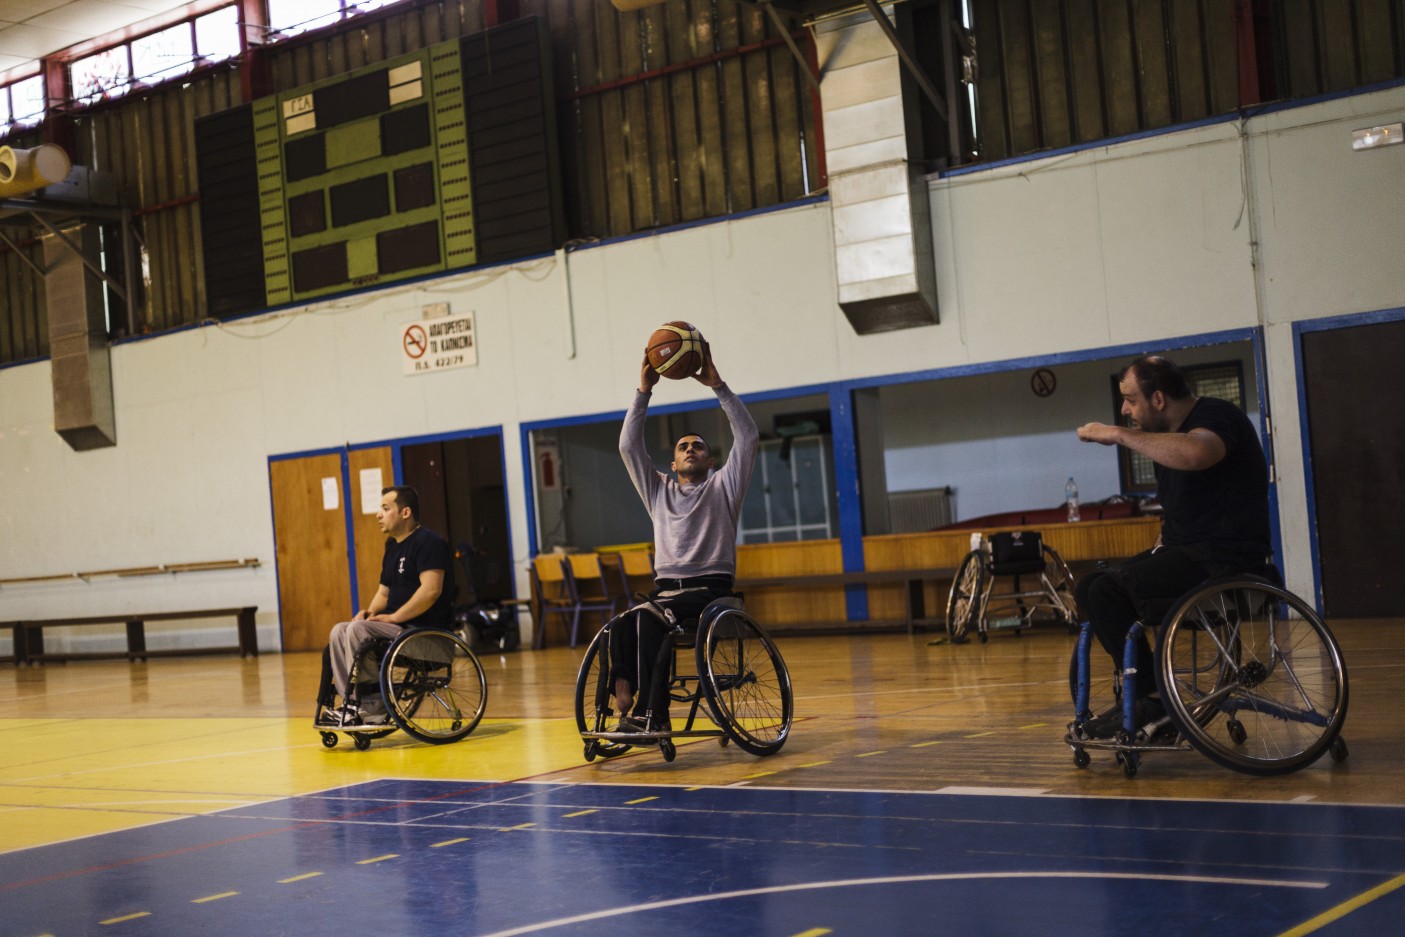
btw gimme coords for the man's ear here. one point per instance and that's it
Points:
(1158, 400)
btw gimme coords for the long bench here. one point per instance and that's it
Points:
(29, 635)
(915, 610)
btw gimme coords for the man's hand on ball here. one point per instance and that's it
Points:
(648, 377)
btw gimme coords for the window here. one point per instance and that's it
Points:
(106, 74)
(27, 101)
(217, 35)
(290, 17)
(791, 495)
(1224, 380)
(157, 57)
(5, 107)
(167, 54)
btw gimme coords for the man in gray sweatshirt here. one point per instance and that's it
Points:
(695, 534)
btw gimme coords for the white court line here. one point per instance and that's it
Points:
(993, 791)
(896, 880)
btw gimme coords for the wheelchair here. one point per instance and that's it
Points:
(1019, 554)
(433, 687)
(739, 674)
(1249, 676)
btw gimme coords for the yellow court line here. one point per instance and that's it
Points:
(578, 813)
(814, 932)
(925, 744)
(223, 894)
(520, 826)
(978, 735)
(449, 842)
(1035, 725)
(641, 800)
(690, 789)
(758, 774)
(871, 754)
(126, 917)
(1345, 908)
(298, 878)
(815, 764)
(389, 855)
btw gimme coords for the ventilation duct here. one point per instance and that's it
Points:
(878, 194)
(82, 370)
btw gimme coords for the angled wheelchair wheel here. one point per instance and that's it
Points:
(1251, 676)
(433, 685)
(595, 699)
(1060, 579)
(963, 607)
(745, 681)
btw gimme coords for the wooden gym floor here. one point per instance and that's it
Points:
(923, 787)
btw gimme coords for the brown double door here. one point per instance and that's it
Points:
(315, 499)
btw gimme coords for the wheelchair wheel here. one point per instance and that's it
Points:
(1061, 578)
(745, 681)
(595, 698)
(433, 685)
(963, 608)
(1251, 676)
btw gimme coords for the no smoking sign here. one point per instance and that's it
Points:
(438, 344)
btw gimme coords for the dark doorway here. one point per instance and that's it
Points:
(462, 496)
(1358, 461)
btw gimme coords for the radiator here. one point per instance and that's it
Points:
(924, 509)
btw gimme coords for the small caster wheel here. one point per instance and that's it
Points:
(329, 740)
(724, 741)
(669, 752)
(1339, 750)
(592, 748)
(1129, 763)
(984, 637)
(1081, 758)
(362, 742)
(1237, 735)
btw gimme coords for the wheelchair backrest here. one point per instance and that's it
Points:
(1017, 551)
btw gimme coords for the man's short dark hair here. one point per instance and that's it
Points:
(1155, 372)
(699, 435)
(406, 497)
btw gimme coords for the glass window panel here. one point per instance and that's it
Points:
(290, 17)
(754, 507)
(812, 479)
(780, 488)
(163, 55)
(106, 73)
(27, 100)
(4, 105)
(217, 34)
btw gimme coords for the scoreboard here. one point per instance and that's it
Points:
(365, 177)
(434, 160)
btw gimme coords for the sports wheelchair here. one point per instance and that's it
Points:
(739, 674)
(1249, 676)
(1015, 553)
(432, 685)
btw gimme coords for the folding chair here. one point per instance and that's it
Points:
(587, 585)
(552, 592)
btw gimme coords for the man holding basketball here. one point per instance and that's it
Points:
(695, 534)
(1212, 481)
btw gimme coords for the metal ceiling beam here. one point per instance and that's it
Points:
(918, 74)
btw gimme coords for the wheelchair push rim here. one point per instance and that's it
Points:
(434, 686)
(1251, 676)
(745, 682)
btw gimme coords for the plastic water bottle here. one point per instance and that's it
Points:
(1071, 500)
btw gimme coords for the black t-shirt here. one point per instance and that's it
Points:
(401, 568)
(1220, 513)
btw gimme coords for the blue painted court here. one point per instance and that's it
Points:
(441, 857)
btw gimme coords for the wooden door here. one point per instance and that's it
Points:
(1358, 459)
(366, 530)
(313, 582)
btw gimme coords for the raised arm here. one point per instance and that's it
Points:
(1198, 449)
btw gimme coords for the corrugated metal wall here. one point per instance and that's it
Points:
(696, 108)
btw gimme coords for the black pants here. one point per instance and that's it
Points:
(636, 640)
(1141, 589)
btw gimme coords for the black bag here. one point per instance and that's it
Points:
(1015, 552)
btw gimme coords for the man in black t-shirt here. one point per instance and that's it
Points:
(1212, 482)
(416, 589)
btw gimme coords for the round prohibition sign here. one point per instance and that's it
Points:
(416, 342)
(1043, 382)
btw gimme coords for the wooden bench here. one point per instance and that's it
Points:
(29, 635)
(916, 602)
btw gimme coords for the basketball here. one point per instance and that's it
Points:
(675, 350)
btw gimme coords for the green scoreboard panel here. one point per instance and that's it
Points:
(363, 179)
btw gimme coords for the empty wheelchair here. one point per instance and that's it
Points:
(739, 684)
(1019, 554)
(431, 683)
(1249, 676)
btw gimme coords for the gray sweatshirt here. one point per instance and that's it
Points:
(695, 526)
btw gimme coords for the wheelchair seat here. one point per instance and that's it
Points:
(1010, 553)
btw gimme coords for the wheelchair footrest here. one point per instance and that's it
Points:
(1172, 744)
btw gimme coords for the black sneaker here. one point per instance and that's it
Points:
(1105, 724)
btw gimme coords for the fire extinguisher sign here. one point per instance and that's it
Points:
(548, 468)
